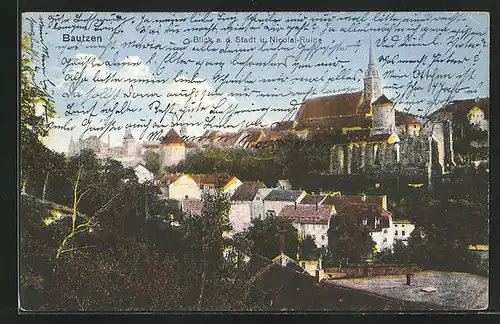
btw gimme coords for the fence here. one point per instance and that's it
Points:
(371, 270)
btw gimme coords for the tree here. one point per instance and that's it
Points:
(34, 125)
(214, 281)
(265, 237)
(308, 249)
(153, 162)
(350, 243)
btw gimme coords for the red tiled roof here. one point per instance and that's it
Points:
(216, 179)
(339, 202)
(247, 191)
(150, 146)
(282, 126)
(252, 135)
(192, 206)
(403, 118)
(363, 210)
(330, 106)
(229, 139)
(382, 100)
(462, 107)
(336, 123)
(312, 199)
(306, 214)
(172, 138)
(170, 177)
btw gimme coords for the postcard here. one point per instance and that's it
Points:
(254, 161)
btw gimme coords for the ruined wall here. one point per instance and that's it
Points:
(337, 159)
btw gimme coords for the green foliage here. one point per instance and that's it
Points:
(308, 249)
(265, 237)
(153, 163)
(448, 218)
(131, 257)
(32, 95)
(349, 242)
(288, 157)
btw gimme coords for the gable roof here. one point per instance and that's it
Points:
(191, 145)
(141, 165)
(312, 199)
(307, 214)
(168, 178)
(172, 137)
(462, 107)
(216, 179)
(330, 106)
(339, 202)
(229, 139)
(382, 100)
(283, 195)
(364, 210)
(404, 118)
(251, 136)
(247, 191)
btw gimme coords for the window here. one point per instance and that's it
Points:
(186, 197)
(377, 221)
(314, 236)
(403, 233)
(365, 221)
(258, 198)
(395, 225)
(322, 237)
(385, 231)
(385, 240)
(396, 233)
(402, 226)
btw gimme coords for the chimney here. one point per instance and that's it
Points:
(282, 242)
(409, 279)
(316, 198)
(295, 204)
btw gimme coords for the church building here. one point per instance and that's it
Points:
(368, 134)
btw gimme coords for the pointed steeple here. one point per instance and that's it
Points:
(373, 89)
(371, 61)
(128, 134)
(371, 71)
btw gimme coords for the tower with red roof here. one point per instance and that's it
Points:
(172, 149)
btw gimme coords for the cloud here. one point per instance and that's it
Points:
(140, 94)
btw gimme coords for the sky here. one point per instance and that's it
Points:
(423, 60)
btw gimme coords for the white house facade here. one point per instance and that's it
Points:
(143, 174)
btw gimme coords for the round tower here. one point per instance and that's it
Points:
(129, 145)
(172, 149)
(384, 118)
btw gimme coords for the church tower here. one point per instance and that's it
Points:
(373, 89)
